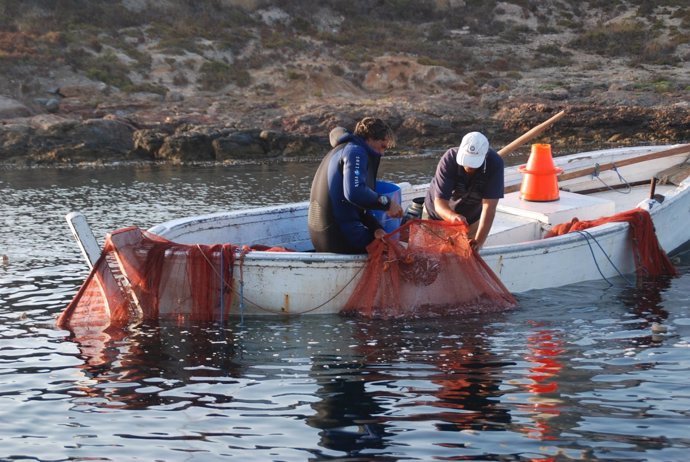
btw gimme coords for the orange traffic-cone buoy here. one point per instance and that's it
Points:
(540, 183)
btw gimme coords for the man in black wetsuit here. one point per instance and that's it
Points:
(344, 190)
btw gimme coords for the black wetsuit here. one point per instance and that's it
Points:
(343, 189)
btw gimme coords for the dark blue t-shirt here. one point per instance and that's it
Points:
(465, 192)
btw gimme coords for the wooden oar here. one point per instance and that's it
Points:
(682, 149)
(533, 133)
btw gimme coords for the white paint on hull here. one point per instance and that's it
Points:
(307, 282)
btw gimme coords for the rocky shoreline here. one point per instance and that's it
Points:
(269, 84)
(259, 135)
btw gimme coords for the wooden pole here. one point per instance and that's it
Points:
(533, 133)
(652, 188)
(682, 149)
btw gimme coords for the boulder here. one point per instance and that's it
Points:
(240, 145)
(15, 140)
(98, 140)
(187, 146)
(148, 141)
(12, 109)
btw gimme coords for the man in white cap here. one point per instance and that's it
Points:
(467, 187)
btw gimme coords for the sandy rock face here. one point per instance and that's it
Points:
(11, 109)
(270, 83)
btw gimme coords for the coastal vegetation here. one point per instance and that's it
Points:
(290, 70)
(117, 41)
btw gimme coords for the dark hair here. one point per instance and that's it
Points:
(375, 129)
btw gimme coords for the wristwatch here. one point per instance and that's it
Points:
(384, 202)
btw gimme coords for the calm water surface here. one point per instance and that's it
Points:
(576, 373)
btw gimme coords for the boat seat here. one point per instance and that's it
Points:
(509, 229)
(551, 213)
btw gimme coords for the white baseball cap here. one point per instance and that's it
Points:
(472, 150)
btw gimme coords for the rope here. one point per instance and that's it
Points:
(595, 174)
(588, 236)
(268, 310)
(222, 289)
(245, 250)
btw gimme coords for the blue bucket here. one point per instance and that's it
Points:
(394, 193)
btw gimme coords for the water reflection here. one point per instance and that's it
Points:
(370, 382)
(437, 371)
(346, 414)
(369, 376)
(133, 369)
(646, 300)
(545, 355)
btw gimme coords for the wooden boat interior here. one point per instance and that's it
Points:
(517, 220)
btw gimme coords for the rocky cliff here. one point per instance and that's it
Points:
(230, 80)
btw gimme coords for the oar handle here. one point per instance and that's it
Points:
(533, 133)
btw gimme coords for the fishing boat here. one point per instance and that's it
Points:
(298, 281)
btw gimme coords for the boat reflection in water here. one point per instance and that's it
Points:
(137, 368)
(349, 386)
(361, 369)
(403, 374)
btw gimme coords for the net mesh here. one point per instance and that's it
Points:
(426, 268)
(650, 258)
(141, 277)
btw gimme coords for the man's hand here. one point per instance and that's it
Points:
(379, 233)
(448, 214)
(395, 210)
(457, 218)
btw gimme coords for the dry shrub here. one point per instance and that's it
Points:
(17, 45)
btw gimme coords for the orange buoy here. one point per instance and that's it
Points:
(540, 183)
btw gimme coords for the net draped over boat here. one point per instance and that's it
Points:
(650, 258)
(434, 273)
(141, 276)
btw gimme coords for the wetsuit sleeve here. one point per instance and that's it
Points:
(371, 222)
(355, 189)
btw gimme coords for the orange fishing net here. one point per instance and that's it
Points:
(141, 276)
(434, 273)
(650, 258)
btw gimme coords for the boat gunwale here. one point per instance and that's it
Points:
(179, 225)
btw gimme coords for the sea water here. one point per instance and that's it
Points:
(594, 371)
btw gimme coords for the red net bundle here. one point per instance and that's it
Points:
(141, 276)
(434, 273)
(650, 258)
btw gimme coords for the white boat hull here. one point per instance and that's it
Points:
(306, 282)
